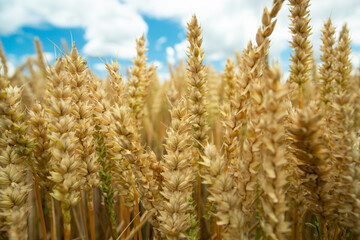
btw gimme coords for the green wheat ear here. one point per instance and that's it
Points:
(105, 176)
(193, 231)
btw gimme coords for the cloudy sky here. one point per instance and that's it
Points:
(108, 28)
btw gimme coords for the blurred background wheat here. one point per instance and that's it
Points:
(247, 152)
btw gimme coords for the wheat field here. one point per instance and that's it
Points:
(237, 154)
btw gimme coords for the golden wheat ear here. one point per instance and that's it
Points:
(15, 152)
(232, 113)
(273, 179)
(83, 111)
(253, 63)
(138, 82)
(178, 175)
(64, 165)
(300, 66)
(345, 148)
(197, 82)
(313, 165)
(343, 60)
(328, 58)
(223, 198)
(197, 92)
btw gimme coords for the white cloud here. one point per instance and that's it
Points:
(110, 27)
(355, 56)
(49, 57)
(170, 55)
(163, 76)
(14, 61)
(160, 42)
(177, 52)
(11, 68)
(229, 24)
(100, 67)
(180, 49)
(157, 64)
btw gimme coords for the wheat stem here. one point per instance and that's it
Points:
(41, 213)
(137, 211)
(84, 227)
(91, 214)
(67, 223)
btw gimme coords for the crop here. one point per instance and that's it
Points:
(241, 154)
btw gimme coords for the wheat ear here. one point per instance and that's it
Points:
(302, 50)
(327, 69)
(15, 151)
(65, 167)
(273, 179)
(178, 175)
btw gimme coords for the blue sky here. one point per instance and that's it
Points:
(108, 29)
(161, 35)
